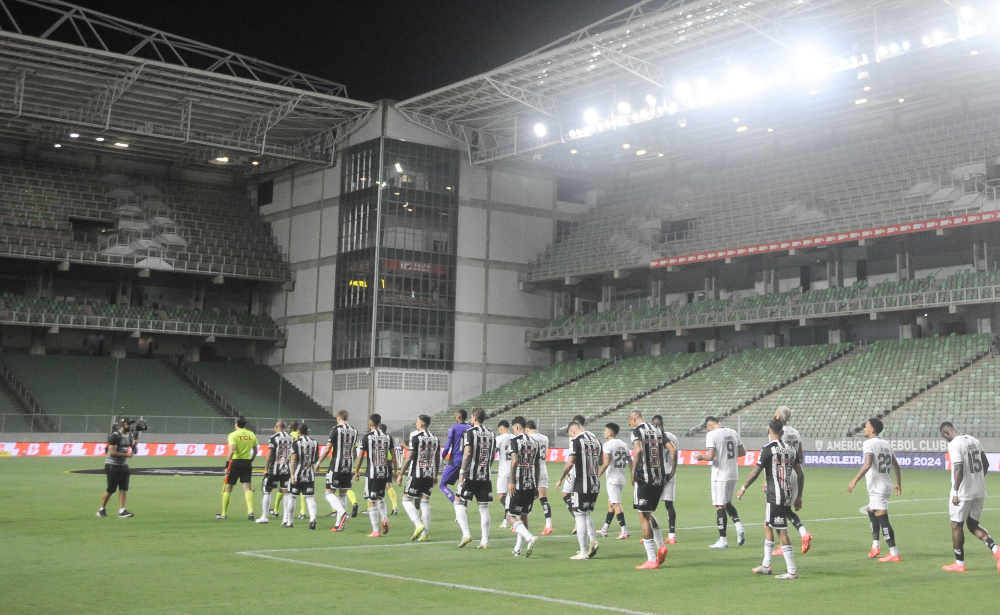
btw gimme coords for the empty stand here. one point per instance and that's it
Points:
(610, 388)
(837, 400)
(970, 400)
(12, 420)
(731, 384)
(79, 393)
(253, 391)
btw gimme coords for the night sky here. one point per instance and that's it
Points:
(378, 48)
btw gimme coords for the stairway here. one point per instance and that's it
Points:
(26, 403)
(202, 388)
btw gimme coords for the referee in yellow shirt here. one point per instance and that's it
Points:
(239, 465)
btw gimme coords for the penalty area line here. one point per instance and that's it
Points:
(485, 590)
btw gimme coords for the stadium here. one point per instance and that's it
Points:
(689, 208)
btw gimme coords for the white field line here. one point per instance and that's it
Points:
(472, 588)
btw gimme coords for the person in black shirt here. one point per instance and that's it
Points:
(523, 488)
(121, 447)
(474, 479)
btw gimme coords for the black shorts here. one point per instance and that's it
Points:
(339, 480)
(240, 469)
(118, 477)
(776, 516)
(270, 482)
(303, 488)
(646, 497)
(481, 490)
(521, 502)
(375, 488)
(583, 502)
(418, 487)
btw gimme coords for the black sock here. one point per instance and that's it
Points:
(887, 533)
(989, 543)
(671, 516)
(546, 508)
(733, 513)
(720, 518)
(611, 515)
(795, 520)
(873, 524)
(568, 499)
(960, 555)
(621, 519)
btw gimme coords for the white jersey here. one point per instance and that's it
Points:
(503, 453)
(879, 477)
(726, 442)
(618, 454)
(967, 451)
(792, 438)
(543, 455)
(672, 439)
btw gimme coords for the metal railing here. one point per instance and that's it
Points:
(790, 311)
(101, 424)
(117, 323)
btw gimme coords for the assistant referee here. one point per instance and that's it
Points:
(239, 465)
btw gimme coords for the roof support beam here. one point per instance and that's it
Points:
(100, 104)
(538, 102)
(640, 68)
(256, 129)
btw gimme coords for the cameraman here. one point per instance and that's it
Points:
(121, 446)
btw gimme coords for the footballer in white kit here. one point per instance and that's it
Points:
(879, 462)
(502, 443)
(543, 478)
(617, 457)
(724, 450)
(968, 493)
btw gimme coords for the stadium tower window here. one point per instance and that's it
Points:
(805, 279)
(265, 193)
(862, 269)
(571, 190)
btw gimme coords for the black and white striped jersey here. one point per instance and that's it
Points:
(424, 451)
(376, 445)
(305, 450)
(778, 459)
(523, 472)
(652, 468)
(280, 444)
(481, 442)
(342, 439)
(587, 454)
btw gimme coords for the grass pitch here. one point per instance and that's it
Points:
(174, 557)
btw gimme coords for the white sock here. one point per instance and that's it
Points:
(425, 514)
(548, 521)
(591, 532)
(121, 510)
(522, 530)
(289, 507)
(894, 551)
(996, 548)
(658, 536)
(411, 511)
(739, 526)
(265, 503)
(789, 554)
(768, 548)
(605, 527)
(671, 535)
(802, 531)
(518, 543)
(874, 544)
(462, 514)
(650, 546)
(373, 517)
(581, 530)
(344, 500)
(336, 505)
(382, 509)
(311, 507)
(484, 523)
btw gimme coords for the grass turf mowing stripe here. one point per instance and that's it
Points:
(485, 590)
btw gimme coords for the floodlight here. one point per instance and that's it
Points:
(590, 116)
(672, 108)
(867, 88)
(736, 120)
(894, 48)
(741, 129)
(540, 130)
(572, 134)
(624, 108)
(973, 53)
(660, 155)
(650, 100)
(625, 146)
(812, 92)
(74, 135)
(219, 159)
(682, 122)
(906, 45)
(683, 91)
(810, 62)
(255, 163)
(641, 152)
(702, 85)
(399, 168)
(124, 145)
(99, 139)
(861, 101)
(965, 12)
(939, 37)
(883, 50)
(770, 130)
(572, 151)
(57, 145)
(902, 99)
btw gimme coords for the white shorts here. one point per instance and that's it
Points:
(722, 492)
(878, 501)
(615, 493)
(669, 490)
(567, 486)
(543, 478)
(503, 481)
(966, 509)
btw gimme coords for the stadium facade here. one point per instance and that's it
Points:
(681, 177)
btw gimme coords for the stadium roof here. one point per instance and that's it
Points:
(162, 96)
(533, 107)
